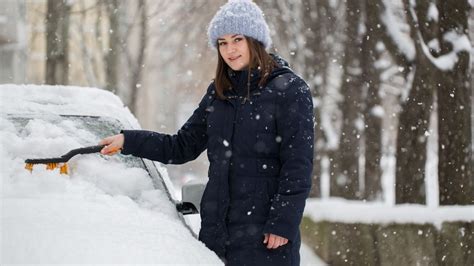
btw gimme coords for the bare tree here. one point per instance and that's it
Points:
(137, 64)
(57, 35)
(373, 112)
(451, 82)
(455, 173)
(415, 114)
(345, 182)
(318, 19)
(87, 57)
(112, 55)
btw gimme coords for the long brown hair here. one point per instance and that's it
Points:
(259, 58)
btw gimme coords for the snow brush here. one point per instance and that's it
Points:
(61, 162)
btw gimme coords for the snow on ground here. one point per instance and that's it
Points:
(346, 211)
(102, 212)
(309, 258)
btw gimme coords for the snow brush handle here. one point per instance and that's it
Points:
(67, 156)
(90, 149)
(85, 150)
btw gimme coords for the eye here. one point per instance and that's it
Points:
(222, 43)
(238, 39)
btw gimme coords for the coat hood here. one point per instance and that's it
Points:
(282, 67)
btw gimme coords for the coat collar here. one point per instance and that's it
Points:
(239, 79)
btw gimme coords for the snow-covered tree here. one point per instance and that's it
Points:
(455, 170)
(439, 32)
(415, 113)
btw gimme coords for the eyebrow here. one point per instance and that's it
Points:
(233, 36)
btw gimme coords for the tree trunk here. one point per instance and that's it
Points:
(112, 56)
(57, 33)
(315, 17)
(411, 140)
(415, 116)
(455, 173)
(137, 68)
(373, 110)
(345, 182)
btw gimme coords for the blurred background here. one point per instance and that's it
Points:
(391, 83)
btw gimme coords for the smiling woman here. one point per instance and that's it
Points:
(256, 122)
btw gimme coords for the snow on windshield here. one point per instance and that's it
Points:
(106, 210)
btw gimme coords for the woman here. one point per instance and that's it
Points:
(256, 122)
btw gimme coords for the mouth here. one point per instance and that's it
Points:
(231, 59)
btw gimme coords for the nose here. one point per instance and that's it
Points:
(231, 48)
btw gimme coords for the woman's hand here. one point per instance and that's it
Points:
(274, 241)
(113, 144)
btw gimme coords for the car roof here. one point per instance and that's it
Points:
(64, 100)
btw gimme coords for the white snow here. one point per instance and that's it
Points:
(447, 61)
(377, 111)
(398, 31)
(433, 12)
(340, 210)
(102, 212)
(308, 257)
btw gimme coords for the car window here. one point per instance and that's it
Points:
(87, 130)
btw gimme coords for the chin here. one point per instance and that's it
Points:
(237, 67)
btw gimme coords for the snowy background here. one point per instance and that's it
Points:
(359, 57)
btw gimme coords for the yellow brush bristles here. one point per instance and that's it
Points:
(63, 169)
(51, 166)
(29, 167)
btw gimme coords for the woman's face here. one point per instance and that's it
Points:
(234, 49)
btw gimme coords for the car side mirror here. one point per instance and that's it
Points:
(191, 193)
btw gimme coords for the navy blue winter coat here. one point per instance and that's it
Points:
(260, 153)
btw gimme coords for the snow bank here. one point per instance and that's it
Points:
(104, 211)
(340, 210)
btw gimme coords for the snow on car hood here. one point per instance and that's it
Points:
(104, 211)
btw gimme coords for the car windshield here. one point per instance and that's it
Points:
(86, 130)
(49, 136)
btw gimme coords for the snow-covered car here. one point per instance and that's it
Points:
(106, 209)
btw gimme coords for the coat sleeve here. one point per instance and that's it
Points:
(295, 126)
(186, 145)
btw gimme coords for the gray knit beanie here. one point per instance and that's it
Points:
(239, 17)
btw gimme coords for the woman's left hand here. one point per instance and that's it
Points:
(274, 241)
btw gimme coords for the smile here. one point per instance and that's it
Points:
(234, 58)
